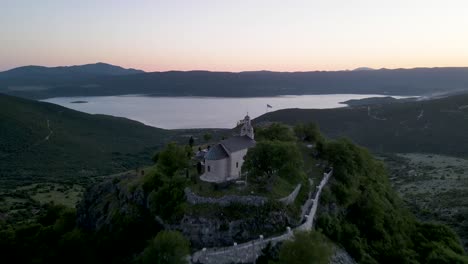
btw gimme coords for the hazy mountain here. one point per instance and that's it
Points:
(418, 81)
(363, 69)
(64, 71)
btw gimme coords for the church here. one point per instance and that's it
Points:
(223, 162)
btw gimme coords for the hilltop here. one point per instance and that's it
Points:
(432, 126)
(102, 79)
(356, 207)
(99, 68)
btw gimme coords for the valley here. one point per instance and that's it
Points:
(234, 132)
(434, 187)
(431, 185)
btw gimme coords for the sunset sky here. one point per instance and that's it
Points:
(240, 35)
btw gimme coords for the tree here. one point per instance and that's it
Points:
(171, 159)
(275, 131)
(307, 247)
(270, 159)
(168, 247)
(207, 137)
(308, 132)
(191, 142)
(167, 201)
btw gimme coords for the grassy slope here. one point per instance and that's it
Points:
(81, 145)
(434, 186)
(435, 126)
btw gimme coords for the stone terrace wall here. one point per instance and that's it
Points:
(292, 196)
(248, 252)
(226, 200)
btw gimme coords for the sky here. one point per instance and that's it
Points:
(240, 35)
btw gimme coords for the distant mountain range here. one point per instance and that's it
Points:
(364, 69)
(104, 79)
(96, 69)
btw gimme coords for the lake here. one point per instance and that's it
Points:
(197, 112)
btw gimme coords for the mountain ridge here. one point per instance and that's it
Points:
(410, 82)
(98, 68)
(400, 127)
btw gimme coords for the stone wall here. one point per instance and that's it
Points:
(292, 196)
(340, 256)
(248, 252)
(217, 172)
(226, 200)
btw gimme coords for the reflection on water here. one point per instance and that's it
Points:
(197, 112)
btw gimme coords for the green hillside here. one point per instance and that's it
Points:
(433, 126)
(45, 142)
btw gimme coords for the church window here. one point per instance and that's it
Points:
(237, 164)
(209, 168)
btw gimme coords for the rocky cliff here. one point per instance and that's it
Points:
(122, 199)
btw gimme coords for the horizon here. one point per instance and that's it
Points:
(214, 71)
(298, 36)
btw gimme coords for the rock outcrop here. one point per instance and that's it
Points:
(123, 197)
(220, 231)
(340, 256)
(103, 203)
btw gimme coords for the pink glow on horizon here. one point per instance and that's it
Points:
(243, 35)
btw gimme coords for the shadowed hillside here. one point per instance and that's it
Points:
(435, 126)
(45, 142)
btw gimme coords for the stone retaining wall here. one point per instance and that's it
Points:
(226, 200)
(292, 196)
(248, 252)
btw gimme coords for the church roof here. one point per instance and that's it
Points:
(237, 143)
(216, 152)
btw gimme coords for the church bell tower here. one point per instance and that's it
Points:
(247, 129)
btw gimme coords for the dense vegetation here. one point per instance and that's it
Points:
(432, 126)
(54, 236)
(361, 212)
(44, 142)
(49, 153)
(434, 187)
(306, 248)
(168, 247)
(38, 82)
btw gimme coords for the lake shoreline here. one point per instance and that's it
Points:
(193, 112)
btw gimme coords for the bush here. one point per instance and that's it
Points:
(168, 247)
(271, 159)
(275, 131)
(306, 247)
(370, 221)
(168, 200)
